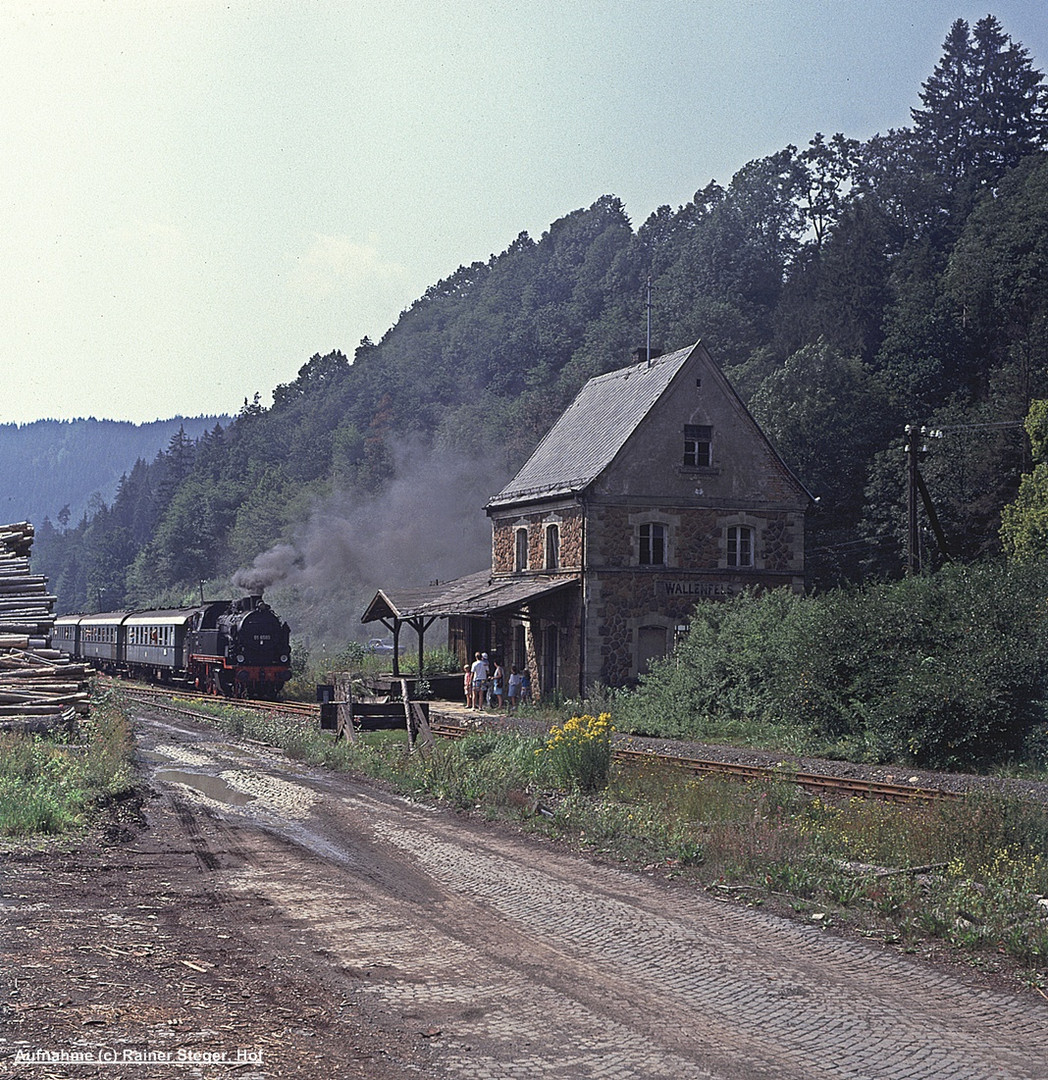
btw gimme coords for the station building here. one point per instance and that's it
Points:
(654, 490)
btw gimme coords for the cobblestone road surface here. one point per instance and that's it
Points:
(519, 960)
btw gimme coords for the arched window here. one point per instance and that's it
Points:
(552, 547)
(740, 545)
(520, 561)
(652, 544)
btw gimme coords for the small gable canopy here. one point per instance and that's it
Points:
(477, 595)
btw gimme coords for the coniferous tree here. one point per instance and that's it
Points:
(983, 108)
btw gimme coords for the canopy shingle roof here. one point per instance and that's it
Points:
(476, 594)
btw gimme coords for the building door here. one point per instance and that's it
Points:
(550, 659)
(651, 645)
(479, 637)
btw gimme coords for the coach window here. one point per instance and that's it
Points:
(552, 547)
(698, 441)
(652, 544)
(740, 545)
(520, 561)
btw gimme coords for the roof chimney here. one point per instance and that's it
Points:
(640, 354)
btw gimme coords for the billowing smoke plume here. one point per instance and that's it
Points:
(428, 524)
(271, 567)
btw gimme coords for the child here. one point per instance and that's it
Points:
(513, 689)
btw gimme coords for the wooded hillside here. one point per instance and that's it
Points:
(848, 288)
(55, 468)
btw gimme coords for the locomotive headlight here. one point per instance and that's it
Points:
(283, 659)
(240, 658)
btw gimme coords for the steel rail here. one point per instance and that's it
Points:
(817, 782)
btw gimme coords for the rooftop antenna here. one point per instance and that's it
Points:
(648, 305)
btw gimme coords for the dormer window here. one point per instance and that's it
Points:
(520, 561)
(652, 550)
(698, 439)
(552, 547)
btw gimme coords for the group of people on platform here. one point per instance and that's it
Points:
(488, 686)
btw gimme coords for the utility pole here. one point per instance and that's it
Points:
(912, 539)
(916, 448)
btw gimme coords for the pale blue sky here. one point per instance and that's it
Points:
(198, 195)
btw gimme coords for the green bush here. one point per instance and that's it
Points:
(947, 670)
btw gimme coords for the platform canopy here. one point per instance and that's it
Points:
(477, 595)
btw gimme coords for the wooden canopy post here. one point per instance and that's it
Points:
(421, 624)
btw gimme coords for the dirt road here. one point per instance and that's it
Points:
(288, 922)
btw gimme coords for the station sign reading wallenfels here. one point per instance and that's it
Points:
(702, 590)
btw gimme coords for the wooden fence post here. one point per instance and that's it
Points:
(344, 706)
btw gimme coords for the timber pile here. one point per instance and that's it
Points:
(40, 688)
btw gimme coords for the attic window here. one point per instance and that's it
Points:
(697, 441)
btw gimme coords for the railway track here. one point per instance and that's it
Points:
(860, 787)
(816, 782)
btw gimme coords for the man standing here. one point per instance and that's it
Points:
(478, 678)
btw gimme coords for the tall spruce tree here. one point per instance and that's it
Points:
(983, 107)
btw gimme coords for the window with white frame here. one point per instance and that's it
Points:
(552, 547)
(652, 546)
(520, 559)
(740, 545)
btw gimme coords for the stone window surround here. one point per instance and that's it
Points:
(553, 522)
(749, 521)
(520, 531)
(669, 522)
(633, 626)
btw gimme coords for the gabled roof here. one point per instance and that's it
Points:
(592, 430)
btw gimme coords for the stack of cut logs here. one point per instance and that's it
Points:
(40, 689)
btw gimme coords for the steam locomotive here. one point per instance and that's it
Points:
(237, 648)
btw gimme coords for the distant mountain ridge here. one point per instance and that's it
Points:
(47, 465)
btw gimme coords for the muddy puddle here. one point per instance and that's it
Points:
(213, 787)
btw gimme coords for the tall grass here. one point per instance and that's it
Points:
(50, 787)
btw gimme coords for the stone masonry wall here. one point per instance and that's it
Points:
(504, 539)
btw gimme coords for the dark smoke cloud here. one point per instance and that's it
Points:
(271, 567)
(428, 524)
